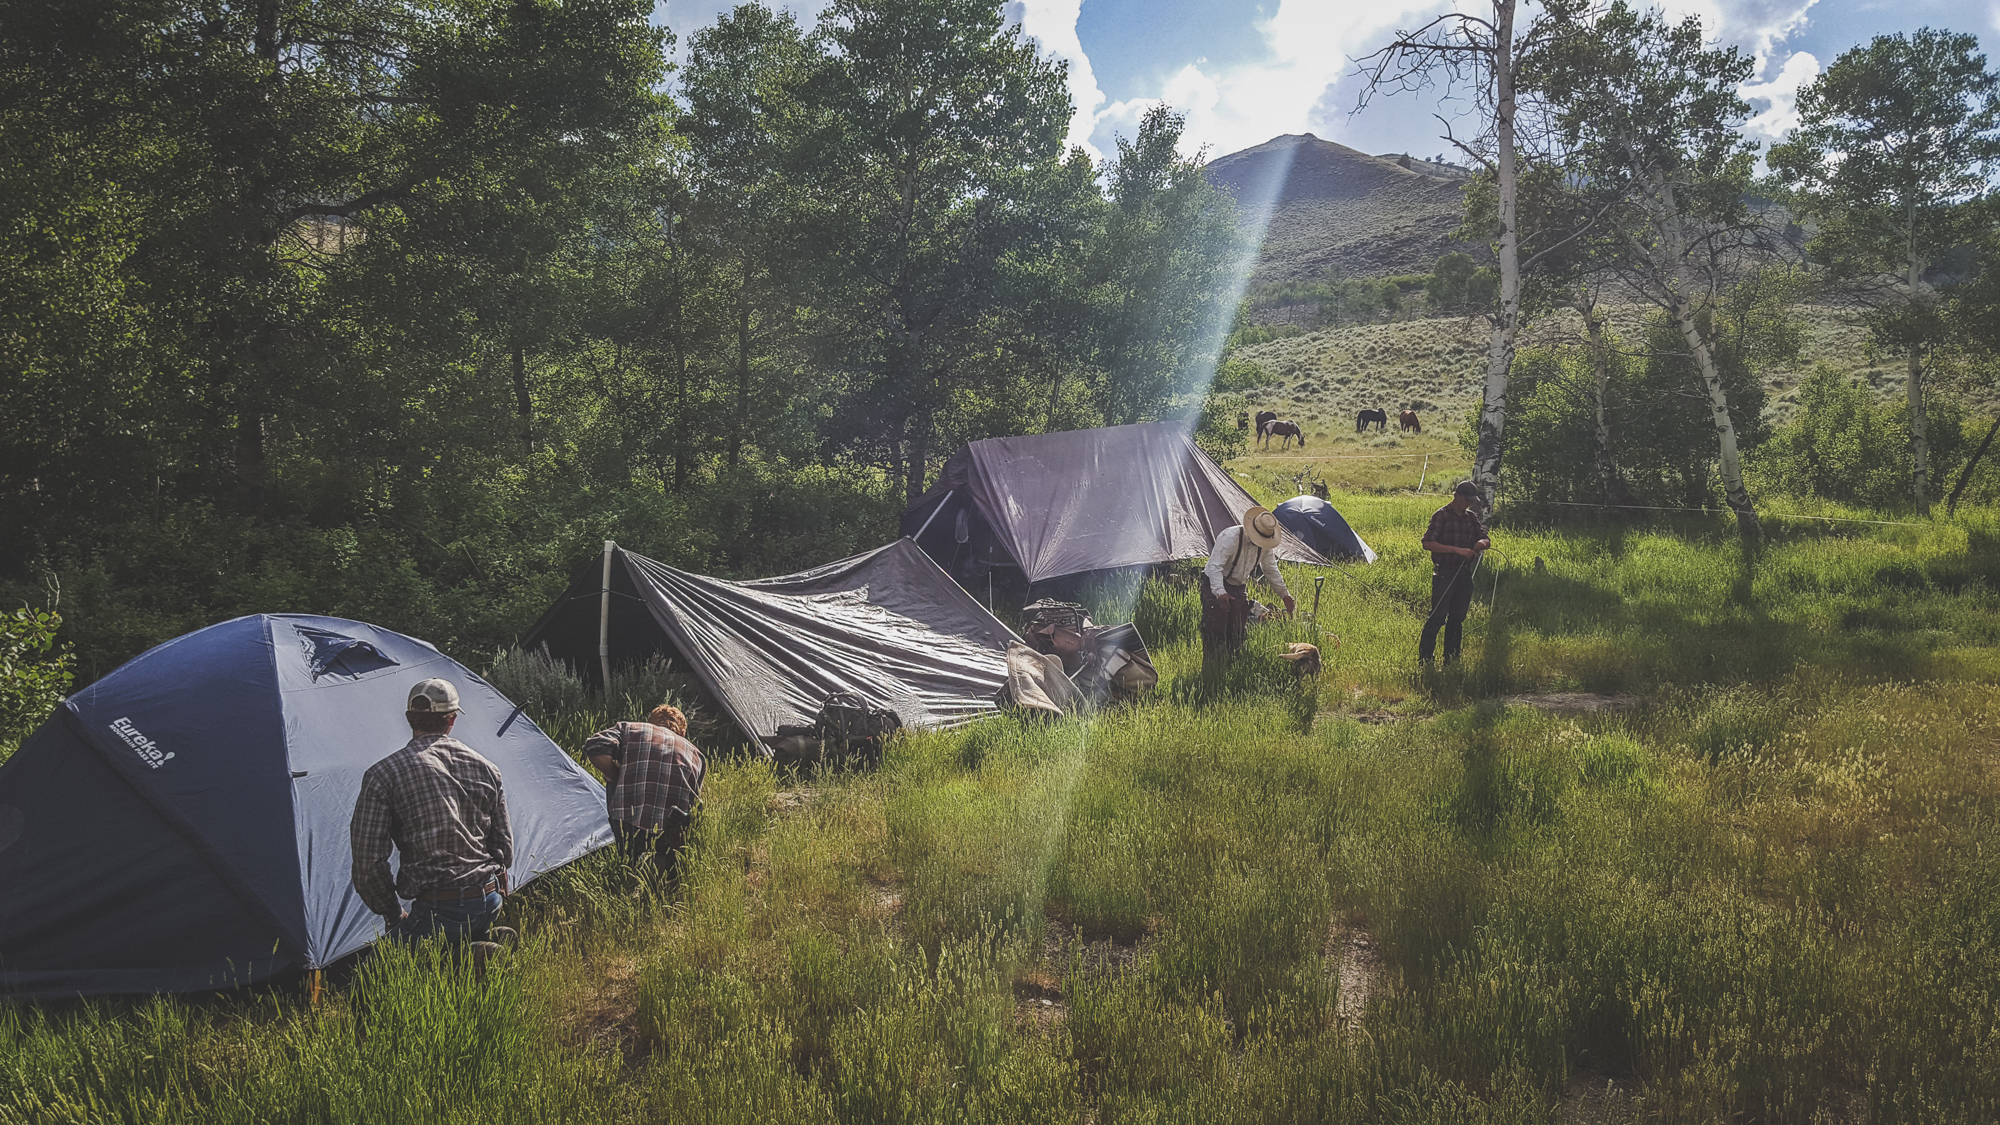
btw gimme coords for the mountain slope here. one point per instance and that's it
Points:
(1329, 211)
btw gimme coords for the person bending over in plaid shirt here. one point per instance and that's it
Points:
(1455, 538)
(652, 782)
(439, 804)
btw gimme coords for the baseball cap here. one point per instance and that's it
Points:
(1465, 488)
(434, 697)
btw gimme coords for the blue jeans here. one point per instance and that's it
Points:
(457, 920)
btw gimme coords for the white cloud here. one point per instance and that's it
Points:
(1052, 23)
(1761, 28)
(1308, 44)
(1780, 114)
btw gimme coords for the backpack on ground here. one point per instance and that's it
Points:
(847, 727)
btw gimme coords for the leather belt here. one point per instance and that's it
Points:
(459, 894)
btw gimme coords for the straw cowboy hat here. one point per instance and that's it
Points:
(1260, 527)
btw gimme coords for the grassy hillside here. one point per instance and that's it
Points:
(1754, 884)
(1435, 366)
(1327, 211)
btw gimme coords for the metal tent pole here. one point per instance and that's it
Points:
(933, 515)
(604, 624)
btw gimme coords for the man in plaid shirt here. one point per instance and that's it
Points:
(1455, 538)
(652, 782)
(439, 804)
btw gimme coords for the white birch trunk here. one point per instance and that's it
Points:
(1500, 348)
(1681, 306)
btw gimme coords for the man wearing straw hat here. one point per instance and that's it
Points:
(1225, 581)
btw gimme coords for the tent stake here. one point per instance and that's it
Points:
(604, 625)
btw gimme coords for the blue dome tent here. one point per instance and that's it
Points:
(1316, 524)
(181, 823)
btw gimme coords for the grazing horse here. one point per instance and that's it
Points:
(1286, 430)
(1377, 418)
(1265, 418)
(1407, 421)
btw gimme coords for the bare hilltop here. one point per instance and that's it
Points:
(1330, 211)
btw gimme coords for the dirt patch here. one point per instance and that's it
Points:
(1095, 957)
(1575, 702)
(885, 904)
(786, 801)
(1594, 1098)
(608, 1020)
(1378, 718)
(1356, 966)
(1038, 1001)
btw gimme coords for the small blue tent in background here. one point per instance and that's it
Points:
(182, 823)
(1315, 523)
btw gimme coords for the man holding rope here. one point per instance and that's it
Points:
(1455, 538)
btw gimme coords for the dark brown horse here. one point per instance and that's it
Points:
(1264, 418)
(1376, 418)
(1286, 430)
(1407, 421)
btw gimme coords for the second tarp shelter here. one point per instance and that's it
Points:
(888, 626)
(1321, 526)
(1080, 500)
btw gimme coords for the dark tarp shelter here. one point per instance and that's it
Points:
(1317, 524)
(182, 823)
(887, 625)
(1080, 500)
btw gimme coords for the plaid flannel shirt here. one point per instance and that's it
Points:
(1453, 529)
(658, 770)
(439, 804)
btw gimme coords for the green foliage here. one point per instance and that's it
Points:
(1845, 444)
(1456, 284)
(35, 673)
(1661, 440)
(1896, 138)
(489, 296)
(1333, 303)
(1250, 335)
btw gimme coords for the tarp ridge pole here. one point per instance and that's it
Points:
(604, 624)
(933, 515)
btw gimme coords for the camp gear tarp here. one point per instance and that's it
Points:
(1316, 523)
(182, 823)
(887, 625)
(1080, 500)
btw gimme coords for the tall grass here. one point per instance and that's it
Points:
(1765, 892)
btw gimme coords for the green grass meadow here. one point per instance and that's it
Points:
(1761, 890)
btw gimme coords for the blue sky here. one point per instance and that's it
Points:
(1244, 71)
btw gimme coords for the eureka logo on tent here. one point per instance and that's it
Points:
(149, 751)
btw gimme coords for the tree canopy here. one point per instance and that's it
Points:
(392, 309)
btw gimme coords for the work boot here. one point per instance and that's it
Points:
(482, 952)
